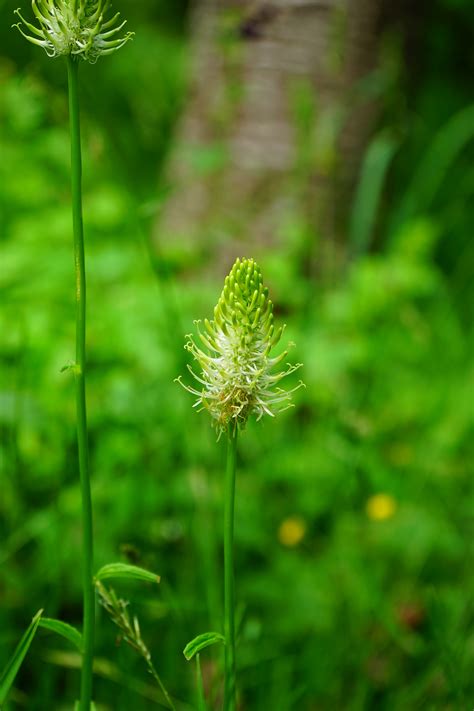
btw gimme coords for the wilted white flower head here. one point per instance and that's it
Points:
(237, 375)
(74, 27)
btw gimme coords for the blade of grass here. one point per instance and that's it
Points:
(202, 706)
(435, 166)
(364, 212)
(11, 670)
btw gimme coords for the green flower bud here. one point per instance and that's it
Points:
(237, 375)
(74, 27)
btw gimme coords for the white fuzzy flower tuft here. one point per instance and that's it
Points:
(237, 375)
(74, 27)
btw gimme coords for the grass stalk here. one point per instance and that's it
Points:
(80, 384)
(202, 706)
(157, 678)
(229, 614)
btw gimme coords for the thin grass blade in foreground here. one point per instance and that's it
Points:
(14, 664)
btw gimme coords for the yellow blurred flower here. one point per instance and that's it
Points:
(291, 531)
(381, 507)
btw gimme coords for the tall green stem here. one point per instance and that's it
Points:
(80, 380)
(229, 622)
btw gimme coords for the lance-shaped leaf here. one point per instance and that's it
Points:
(63, 629)
(127, 572)
(201, 642)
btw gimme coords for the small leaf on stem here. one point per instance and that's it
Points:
(201, 642)
(123, 570)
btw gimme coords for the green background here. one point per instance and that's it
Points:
(359, 613)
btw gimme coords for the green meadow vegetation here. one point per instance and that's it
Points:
(353, 529)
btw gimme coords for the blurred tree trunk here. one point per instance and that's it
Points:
(275, 125)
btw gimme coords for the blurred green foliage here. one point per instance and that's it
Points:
(346, 602)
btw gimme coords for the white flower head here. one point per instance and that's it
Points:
(74, 27)
(237, 376)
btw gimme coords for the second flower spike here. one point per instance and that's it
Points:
(77, 28)
(238, 376)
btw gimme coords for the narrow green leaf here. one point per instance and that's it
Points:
(130, 572)
(77, 706)
(11, 670)
(435, 166)
(201, 642)
(374, 170)
(62, 628)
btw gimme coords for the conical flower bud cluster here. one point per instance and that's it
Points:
(237, 377)
(74, 27)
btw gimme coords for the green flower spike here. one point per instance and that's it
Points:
(237, 375)
(74, 27)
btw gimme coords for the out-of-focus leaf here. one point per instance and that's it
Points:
(374, 169)
(447, 144)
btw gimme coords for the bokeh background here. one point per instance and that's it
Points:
(346, 169)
